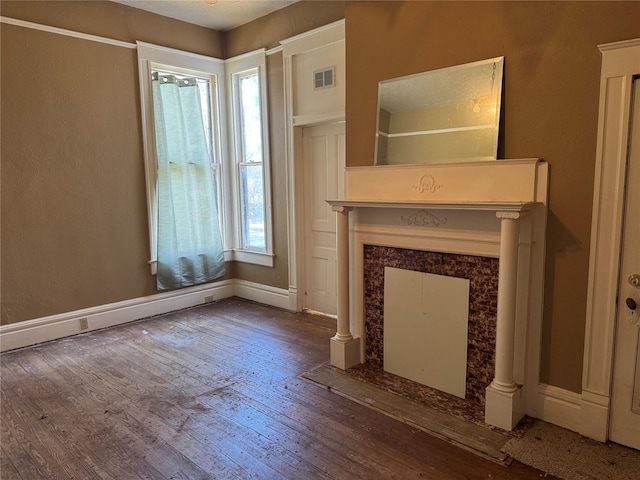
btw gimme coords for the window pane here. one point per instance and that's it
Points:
(252, 208)
(251, 127)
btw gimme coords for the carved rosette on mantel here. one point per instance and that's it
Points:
(493, 209)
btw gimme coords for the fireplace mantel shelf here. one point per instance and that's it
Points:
(479, 206)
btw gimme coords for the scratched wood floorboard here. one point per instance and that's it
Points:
(206, 393)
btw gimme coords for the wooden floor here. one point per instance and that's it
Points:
(207, 393)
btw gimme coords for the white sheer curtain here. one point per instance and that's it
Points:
(190, 247)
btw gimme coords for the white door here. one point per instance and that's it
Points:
(323, 167)
(624, 425)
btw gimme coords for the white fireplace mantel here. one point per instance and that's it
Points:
(338, 205)
(512, 189)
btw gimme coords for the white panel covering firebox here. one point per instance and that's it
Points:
(425, 328)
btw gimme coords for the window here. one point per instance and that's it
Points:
(189, 246)
(251, 157)
(239, 185)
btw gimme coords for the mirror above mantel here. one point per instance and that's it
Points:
(450, 115)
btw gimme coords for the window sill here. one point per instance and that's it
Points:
(245, 256)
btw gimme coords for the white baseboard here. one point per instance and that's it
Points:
(559, 406)
(32, 332)
(275, 297)
(595, 415)
(293, 299)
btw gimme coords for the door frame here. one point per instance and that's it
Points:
(296, 225)
(620, 64)
(304, 43)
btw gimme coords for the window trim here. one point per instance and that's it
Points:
(236, 66)
(176, 60)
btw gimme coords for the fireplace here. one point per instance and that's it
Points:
(482, 273)
(484, 222)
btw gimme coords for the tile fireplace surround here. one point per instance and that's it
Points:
(483, 298)
(483, 221)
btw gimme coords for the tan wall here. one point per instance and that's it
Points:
(551, 91)
(268, 31)
(74, 223)
(113, 20)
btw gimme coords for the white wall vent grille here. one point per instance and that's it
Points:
(324, 78)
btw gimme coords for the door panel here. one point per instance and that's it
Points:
(323, 165)
(624, 426)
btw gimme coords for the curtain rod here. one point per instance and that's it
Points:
(68, 33)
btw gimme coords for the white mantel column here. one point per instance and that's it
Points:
(345, 349)
(504, 399)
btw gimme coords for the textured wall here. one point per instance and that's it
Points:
(268, 31)
(74, 221)
(550, 110)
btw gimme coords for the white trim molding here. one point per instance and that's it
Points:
(39, 330)
(247, 65)
(68, 33)
(313, 39)
(265, 294)
(333, 33)
(559, 406)
(620, 63)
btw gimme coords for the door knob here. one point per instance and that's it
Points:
(634, 280)
(631, 303)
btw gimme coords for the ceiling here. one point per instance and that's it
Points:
(223, 15)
